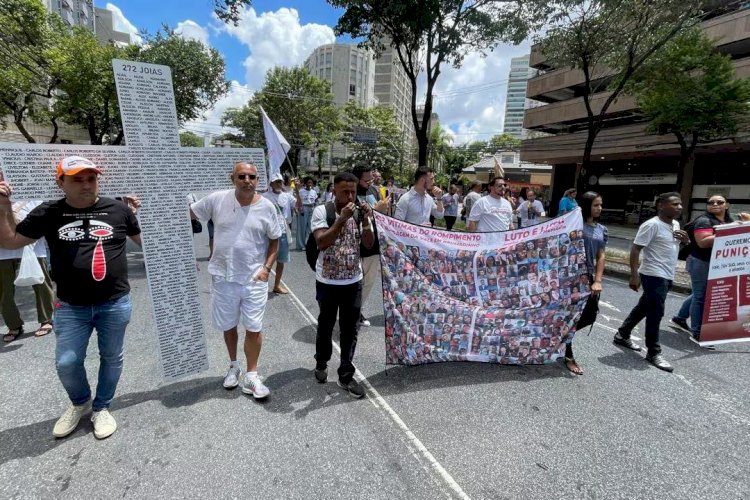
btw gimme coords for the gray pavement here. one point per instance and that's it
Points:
(623, 430)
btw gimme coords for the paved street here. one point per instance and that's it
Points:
(623, 430)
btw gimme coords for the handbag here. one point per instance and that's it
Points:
(590, 312)
(29, 272)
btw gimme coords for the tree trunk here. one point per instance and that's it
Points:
(423, 143)
(118, 139)
(91, 128)
(55, 129)
(583, 168)
(18, 120)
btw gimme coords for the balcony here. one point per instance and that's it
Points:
(561, 84)
(571, 115)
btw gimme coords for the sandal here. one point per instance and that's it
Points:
(13, 334)
(43, 330)
(572, 366)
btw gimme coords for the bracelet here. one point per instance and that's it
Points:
(267, 268)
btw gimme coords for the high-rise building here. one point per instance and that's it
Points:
(105, 30)
(515, 99)
(349, 69)
(74, 12)
(392, 89)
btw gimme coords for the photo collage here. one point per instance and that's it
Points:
(514, 305)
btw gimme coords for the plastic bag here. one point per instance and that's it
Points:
(30, 272)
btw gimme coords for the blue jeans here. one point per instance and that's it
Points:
(698, 270)
(73, 328)
(651, 307)
(303, 226)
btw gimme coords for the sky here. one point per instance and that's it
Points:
(470, 100)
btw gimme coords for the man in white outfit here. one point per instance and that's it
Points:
(246, 243)
(416, 205)
(493, 212)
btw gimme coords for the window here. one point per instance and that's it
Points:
(328, 58)
(352, 89)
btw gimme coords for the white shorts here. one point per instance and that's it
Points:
(231, 300)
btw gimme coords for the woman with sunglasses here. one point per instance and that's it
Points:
(697, 264)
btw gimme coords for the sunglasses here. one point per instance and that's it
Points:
(252, 177)
(716, 202)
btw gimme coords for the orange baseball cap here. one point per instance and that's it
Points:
(71, 165)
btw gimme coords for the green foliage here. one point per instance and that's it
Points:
(690, 91)
(26, 34)
(439, 146)
(299, 104)
(609, 41)
(429, 33)
(387, 154)
(83, 69)
(197, 70)
(229, 10)
(190, 139)
(504, 142)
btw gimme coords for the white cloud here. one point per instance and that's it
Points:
(276, 39)
(190, 30)
(237, 97)
(121, 23)
(470, 100)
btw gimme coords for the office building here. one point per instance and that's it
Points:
(630, 166)
(105, 31)
(516, 101)
(349, 69)
(392, 89)
(74, 12)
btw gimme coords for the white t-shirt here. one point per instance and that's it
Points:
(241, 234)
(492, 214)
(416, 208)
(309, 196)
(339, 264)
(660, 248)
(284, 202)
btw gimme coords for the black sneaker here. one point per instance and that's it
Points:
(658, 361)
(321, 375)
(625, 342)
(680, 324)
(353, 388)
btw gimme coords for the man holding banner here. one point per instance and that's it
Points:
(416, 205)
(493, 212)
(86, 235)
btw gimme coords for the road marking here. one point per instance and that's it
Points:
(418, 450)
(609, 306)
(725, 404)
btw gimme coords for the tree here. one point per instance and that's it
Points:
(26, 34)
(457, 159)
(229, 10)
(610, 41)
(87, 95)
(690, 91)
(504, 142)
(426, 34)
(190, 139)
(438, 146)
(387, 152)
(299, 104)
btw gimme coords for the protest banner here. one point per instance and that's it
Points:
(726, 314)
(509, 297)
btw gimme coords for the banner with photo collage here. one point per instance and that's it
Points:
(509, 297)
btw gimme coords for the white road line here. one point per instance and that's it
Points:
(418, 449)
(609, 306)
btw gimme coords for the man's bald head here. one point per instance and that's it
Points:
(242, 165)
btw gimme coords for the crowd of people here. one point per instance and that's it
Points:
(520, 304)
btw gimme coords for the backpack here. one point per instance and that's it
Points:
(311, 246)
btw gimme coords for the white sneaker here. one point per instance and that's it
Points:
(363, 321)
(68, 422)
(255, 387)
(104, 424)
(232, 379)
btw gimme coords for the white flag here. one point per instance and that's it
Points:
(276, 144)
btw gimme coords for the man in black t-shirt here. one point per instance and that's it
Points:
(86, 235)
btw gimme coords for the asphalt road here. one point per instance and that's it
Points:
(622, 430)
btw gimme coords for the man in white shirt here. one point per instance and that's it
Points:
(450, 205)
(416, 205)
(530, 210)
(245, 247)
(284, 203)
(475, 190)
(338, 277)
(307, 197)
(493, 212)
(659, 238)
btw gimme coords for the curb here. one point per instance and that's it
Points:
(625, 275)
